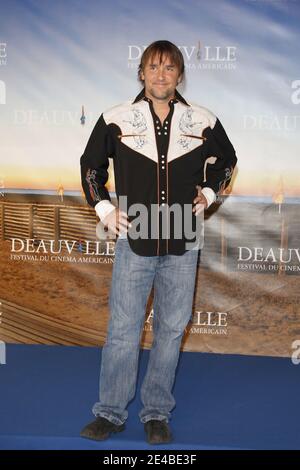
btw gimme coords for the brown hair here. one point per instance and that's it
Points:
(162, 48)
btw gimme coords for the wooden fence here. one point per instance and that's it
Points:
(47, 222)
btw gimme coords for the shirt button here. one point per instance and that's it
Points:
(157, 127)
(162, 192)
(166, 133)
(163, 204)
(163, 198)
(159, 133)
(162, 156)
(157, 122)
(167, 122)
(162, 167)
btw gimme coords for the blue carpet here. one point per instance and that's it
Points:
(223, 401)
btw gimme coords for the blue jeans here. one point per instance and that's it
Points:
(132, 279)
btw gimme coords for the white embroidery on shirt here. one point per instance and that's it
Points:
(187, 126)
(222, 184)
(211, 161)
(139, 125)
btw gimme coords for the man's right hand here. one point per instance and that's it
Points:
(117, 221)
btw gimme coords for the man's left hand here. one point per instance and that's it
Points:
(200, 202)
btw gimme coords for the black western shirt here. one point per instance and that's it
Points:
(157, 165)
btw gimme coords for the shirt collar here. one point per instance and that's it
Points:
(178, 97)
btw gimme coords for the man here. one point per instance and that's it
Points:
(166, 152)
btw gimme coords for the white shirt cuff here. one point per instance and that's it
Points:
(103, 208)
(209, 195)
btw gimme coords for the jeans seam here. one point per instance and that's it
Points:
(155, 416)
(110, 418)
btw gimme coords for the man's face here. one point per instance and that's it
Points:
(160, 79)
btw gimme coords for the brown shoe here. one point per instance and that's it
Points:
(157, 432)
(100, 429)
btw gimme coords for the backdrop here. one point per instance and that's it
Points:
(64, 62)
